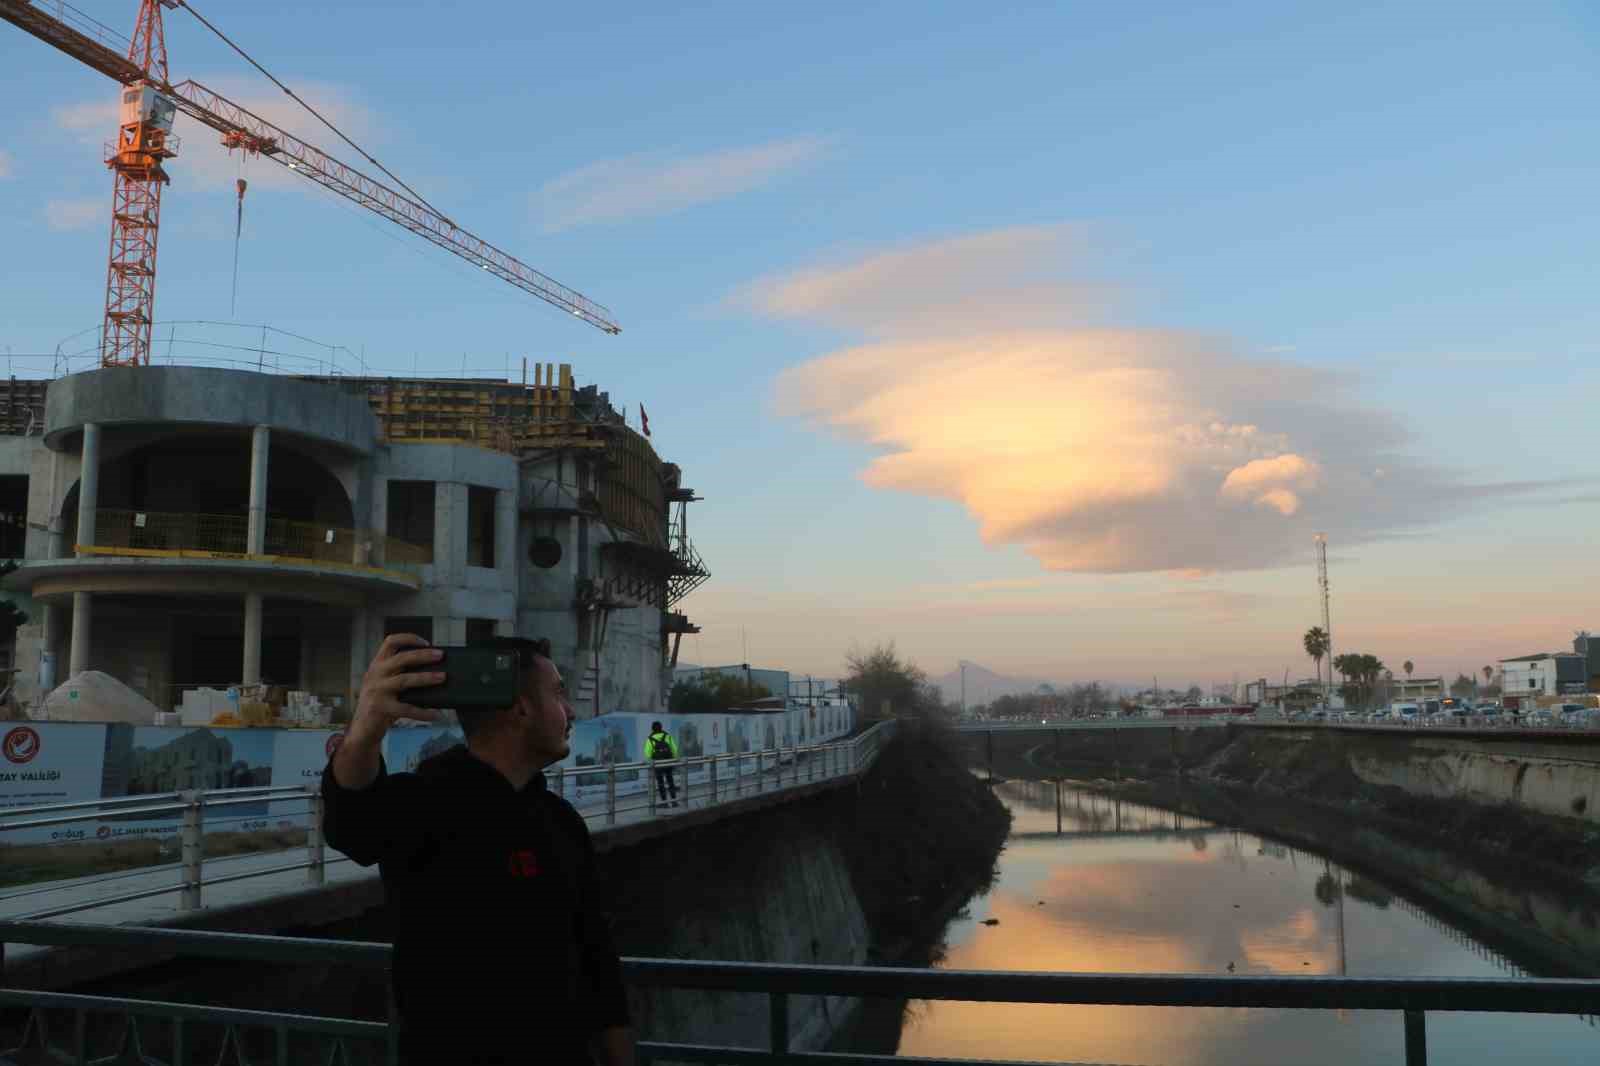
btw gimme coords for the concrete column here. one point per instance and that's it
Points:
(505, 533)
(88, 489)
(379, 520)
(449, 533)
(252, 639)
(47, 651)
(256, 532)
(360, 656)
(82, 607)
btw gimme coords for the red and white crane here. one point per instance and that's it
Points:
(145, 141)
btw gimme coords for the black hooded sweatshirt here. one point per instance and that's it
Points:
(501, 953)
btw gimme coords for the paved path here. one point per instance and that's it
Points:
(101, 899)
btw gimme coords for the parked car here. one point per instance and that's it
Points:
(1539, 718)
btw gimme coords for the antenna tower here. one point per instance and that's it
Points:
(1327, 623)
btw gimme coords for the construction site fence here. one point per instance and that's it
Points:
(182, 820)
(224, 534)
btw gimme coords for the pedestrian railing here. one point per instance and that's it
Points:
(92, 1028)
(612, 793)
(182, 820)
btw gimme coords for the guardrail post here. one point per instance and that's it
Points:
(611, 793)
(1416, 1038)
(650, 788)
(778, 1015)
(316, 873)
(713, 782)
(192, 841)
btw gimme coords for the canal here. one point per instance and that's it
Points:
(1136, 889)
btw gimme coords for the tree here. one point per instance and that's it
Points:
(1361, 672)
(880, 675)
(1488, 674)
(1193, 694)
(1407, 666)
(1463, 686)
(1316, 645)
(10, 617)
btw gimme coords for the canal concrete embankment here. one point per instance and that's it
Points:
(861, 875)
(1497, 831)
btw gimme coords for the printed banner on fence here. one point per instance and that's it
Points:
(68, 762)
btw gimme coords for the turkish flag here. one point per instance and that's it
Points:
(644, 420)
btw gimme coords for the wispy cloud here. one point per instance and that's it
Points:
(987, 380)
(611, 190)
(77, 214)
(202, 162)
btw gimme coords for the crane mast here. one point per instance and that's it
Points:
(145, 141)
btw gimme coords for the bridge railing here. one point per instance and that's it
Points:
(272, 813)
(293, 814)
(138, 1024)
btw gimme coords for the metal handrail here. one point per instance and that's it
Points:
(1413, 996)
(847, 758)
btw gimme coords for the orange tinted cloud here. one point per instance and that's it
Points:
(986, 381)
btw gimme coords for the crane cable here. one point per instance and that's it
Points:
(291, 94)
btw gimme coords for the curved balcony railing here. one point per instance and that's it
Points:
(222, 534)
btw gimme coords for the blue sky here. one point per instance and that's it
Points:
(1386, 207)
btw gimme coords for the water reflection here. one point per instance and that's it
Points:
(1131, 888)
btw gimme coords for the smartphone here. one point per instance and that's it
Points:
(475, 679)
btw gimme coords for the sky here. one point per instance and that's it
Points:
(1044, 338)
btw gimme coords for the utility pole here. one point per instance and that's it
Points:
(1327, 622)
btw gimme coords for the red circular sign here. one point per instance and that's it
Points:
(21, 744)
(333, 744)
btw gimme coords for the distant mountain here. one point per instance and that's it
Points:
(983, 685)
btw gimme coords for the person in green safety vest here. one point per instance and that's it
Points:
(661, 746)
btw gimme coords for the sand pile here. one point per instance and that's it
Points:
(93, 696)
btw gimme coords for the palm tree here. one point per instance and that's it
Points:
(1316, 645)
(1488, 674)
(1408, 666)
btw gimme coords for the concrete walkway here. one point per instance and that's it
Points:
(251, 893)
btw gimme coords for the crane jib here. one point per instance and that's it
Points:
(95, 46)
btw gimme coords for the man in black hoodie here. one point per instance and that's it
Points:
(501, 954)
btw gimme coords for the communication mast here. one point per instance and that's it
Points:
(1327, 623)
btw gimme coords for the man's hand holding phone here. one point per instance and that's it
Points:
(402, 663)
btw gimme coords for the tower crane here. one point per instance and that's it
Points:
(145, 141)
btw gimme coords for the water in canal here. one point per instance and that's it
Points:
(1133, 889)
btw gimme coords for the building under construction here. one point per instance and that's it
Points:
(181, 527)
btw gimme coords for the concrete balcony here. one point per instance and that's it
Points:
(144, 552)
